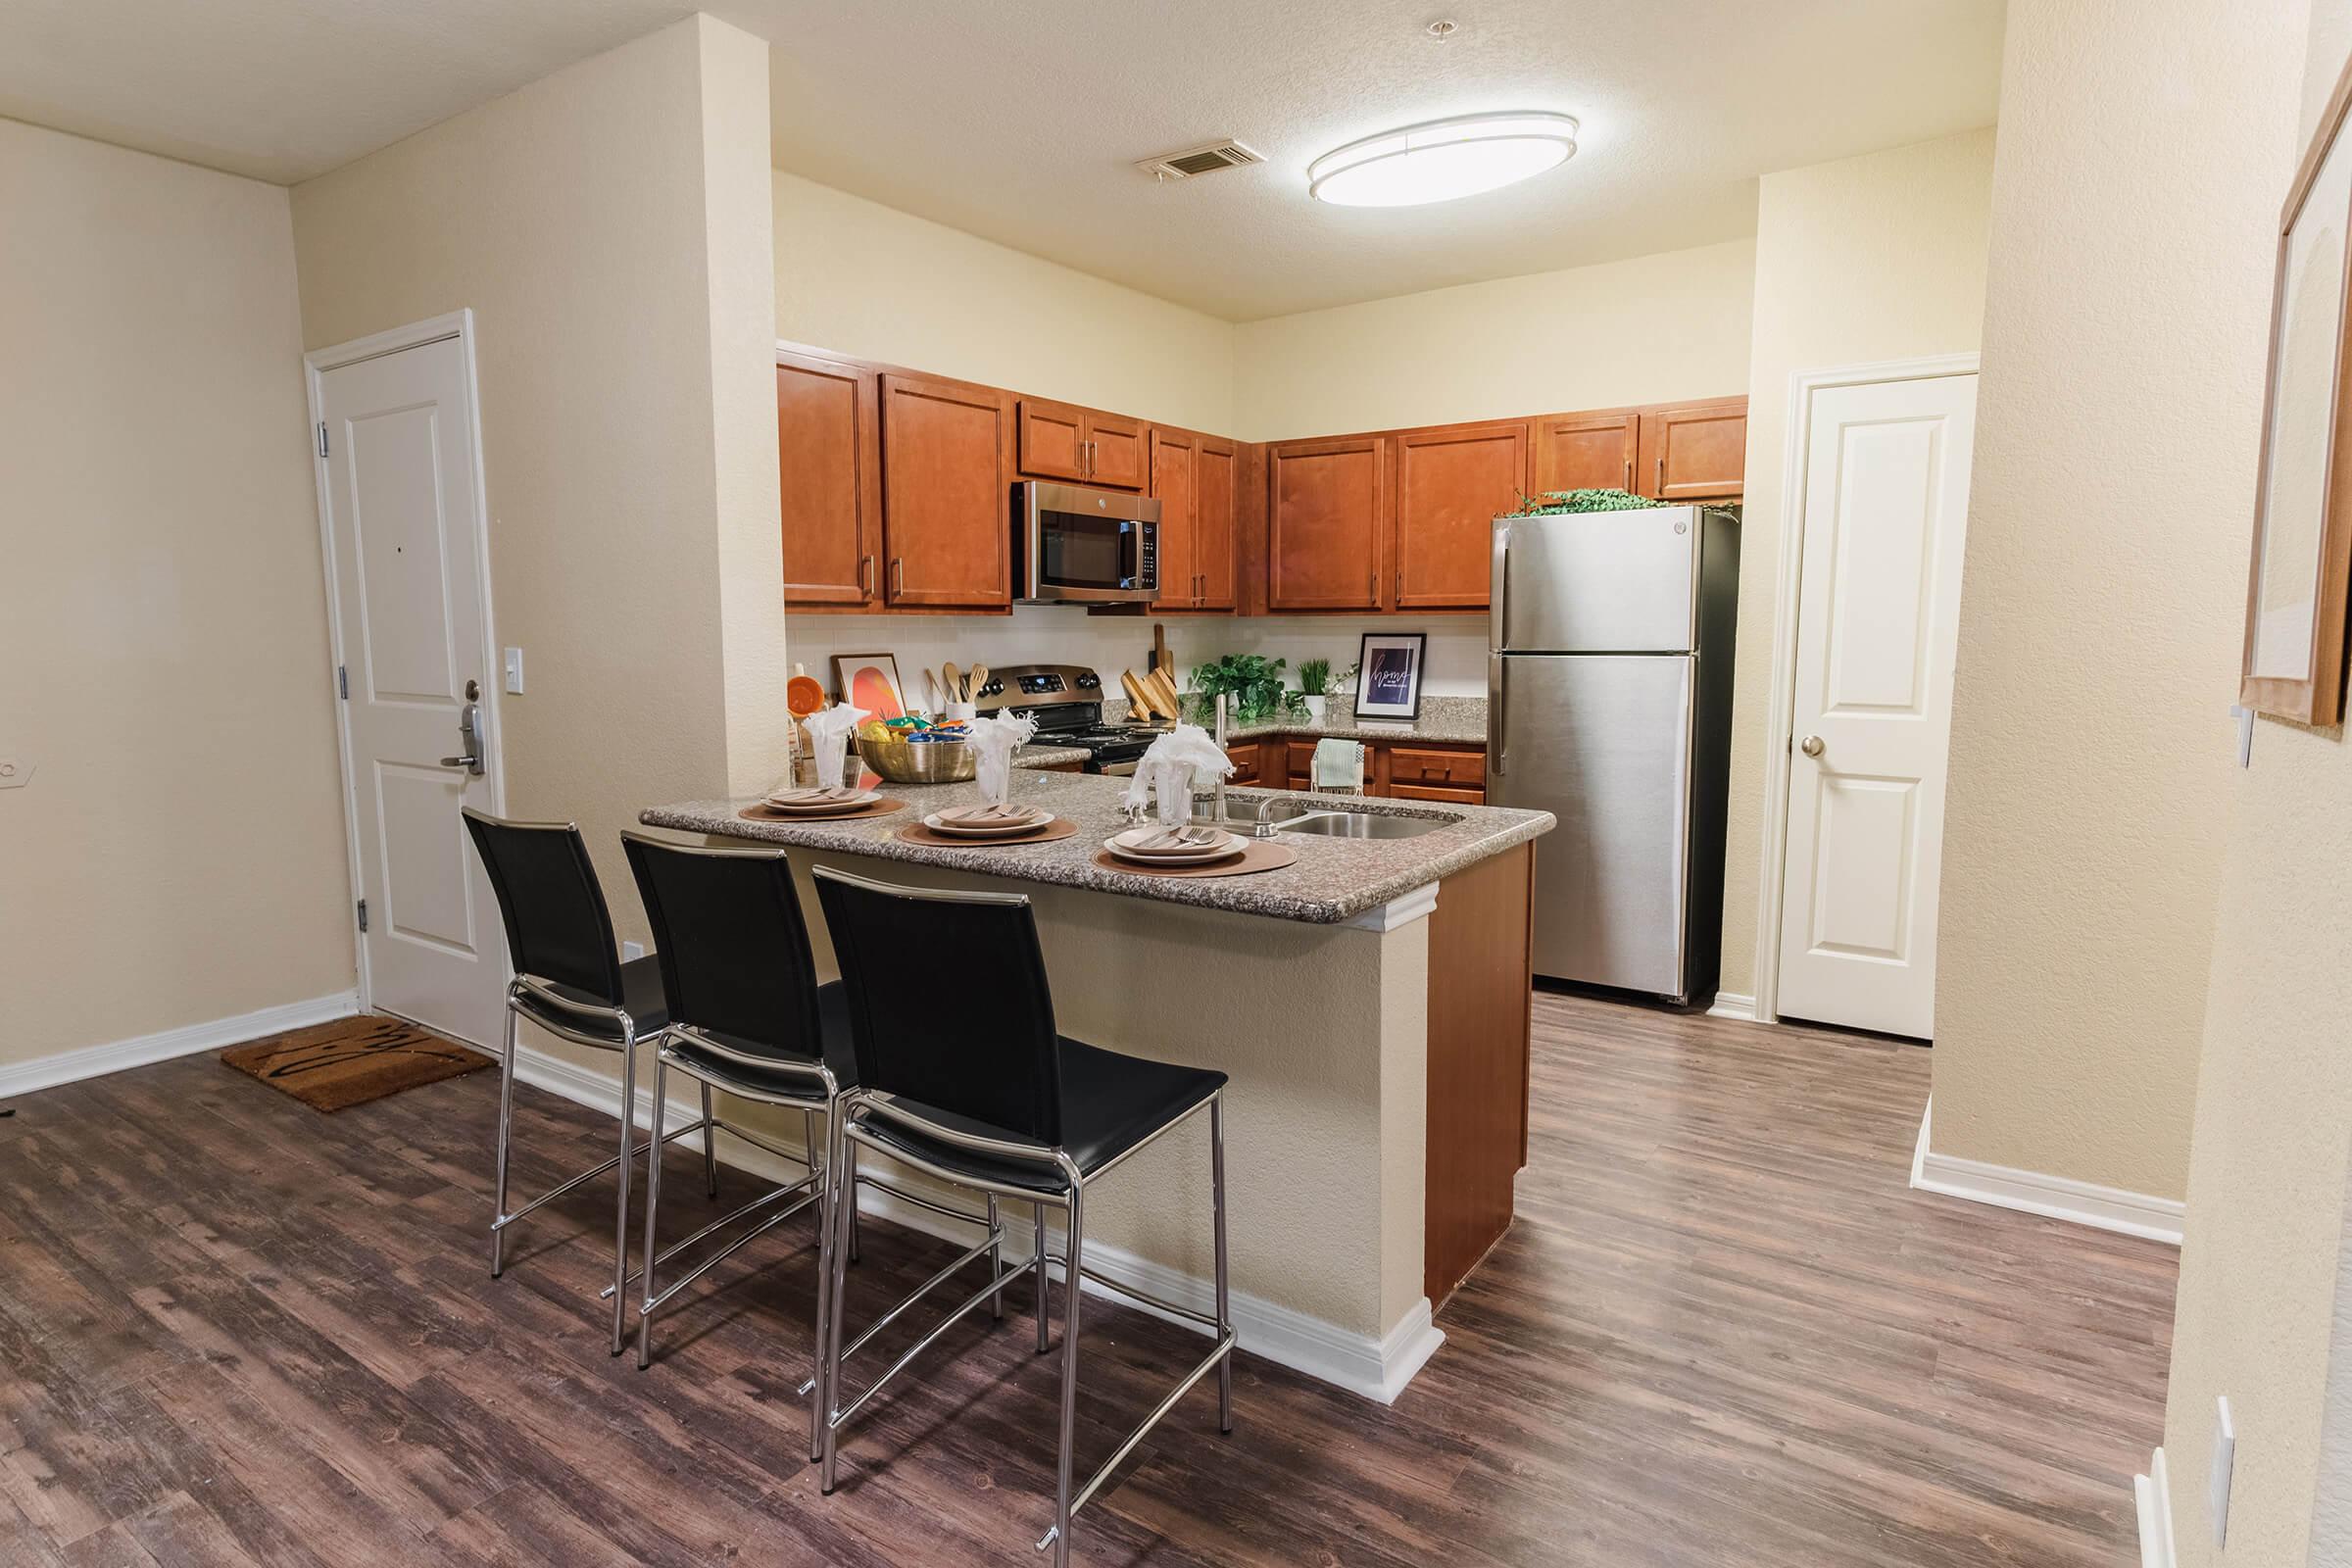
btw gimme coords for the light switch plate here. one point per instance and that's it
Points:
(14, 775)
(2224, 1457)
(514, 670)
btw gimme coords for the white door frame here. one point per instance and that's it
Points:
(1773, 872)
(456, 324)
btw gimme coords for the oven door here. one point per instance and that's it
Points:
(1087, 546)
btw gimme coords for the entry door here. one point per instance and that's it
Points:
(411, 623)
(1885, 507)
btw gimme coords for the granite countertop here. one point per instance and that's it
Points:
(1334, 880)
(1448, 720)
(1049, 756)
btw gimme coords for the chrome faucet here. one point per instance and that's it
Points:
(1265, 826)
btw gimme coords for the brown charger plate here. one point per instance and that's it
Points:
(1259, 856)
(1060, 827)
(881, 808)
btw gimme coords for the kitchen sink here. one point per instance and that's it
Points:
(1332, 825)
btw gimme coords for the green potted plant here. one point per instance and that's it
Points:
(1254, 682)
(1314, 677)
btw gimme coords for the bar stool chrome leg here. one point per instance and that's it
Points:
(821, 1398)
(628, 1154)
(653, 1206)
(843, 1203)
(1059, 1535)
(710, 1149)
(506, 1137)
(1216, 1190)
(996, 1261)
(1036, 1213)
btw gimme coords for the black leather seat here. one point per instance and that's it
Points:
(641, 998)
(742, 1077)
(1110, 1104)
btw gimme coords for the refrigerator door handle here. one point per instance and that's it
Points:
(1498, 590)
(1497, 736)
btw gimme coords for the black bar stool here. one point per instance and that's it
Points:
(996, 1102)
(569, 981)
(747, 1016)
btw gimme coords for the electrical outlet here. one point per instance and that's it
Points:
(514, 670)
(631, 950)
(2224, 1457)
(14, 775)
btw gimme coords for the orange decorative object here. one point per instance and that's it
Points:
(802, 695)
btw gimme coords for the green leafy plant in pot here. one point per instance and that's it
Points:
(1254, 682)
(1314, 687)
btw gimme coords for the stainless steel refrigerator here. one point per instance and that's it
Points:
(1609, 704)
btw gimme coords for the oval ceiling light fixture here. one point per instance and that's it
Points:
(1443, 159)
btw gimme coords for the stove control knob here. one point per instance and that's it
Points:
(1089, 681)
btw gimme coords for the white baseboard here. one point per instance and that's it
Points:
(1731, 1004)
(95, 1061)
(2153, 1492)
(1375, 1367)
(2033, 1192)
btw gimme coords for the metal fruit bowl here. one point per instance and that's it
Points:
(920, 761)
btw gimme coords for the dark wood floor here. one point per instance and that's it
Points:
(1721, 1331)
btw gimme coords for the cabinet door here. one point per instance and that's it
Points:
(829, 460)
(1326, 512)
(1451, 486)
(1216, 499)
(1694, 452)
(1053, 440)
(945, 519)
(1116, 451)
(1587, 451)
(1174, 470)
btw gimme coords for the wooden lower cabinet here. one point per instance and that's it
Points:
(1426, 770)
(1245, 760)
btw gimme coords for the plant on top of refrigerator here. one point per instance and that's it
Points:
(1554, 501)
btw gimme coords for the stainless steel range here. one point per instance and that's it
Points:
(1067, 702)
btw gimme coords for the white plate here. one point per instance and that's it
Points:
(1010, 828)
(1127, 846)
(820, 807)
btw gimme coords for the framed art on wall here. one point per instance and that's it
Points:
(1388, 677)
(2296, 582)
(869, 682)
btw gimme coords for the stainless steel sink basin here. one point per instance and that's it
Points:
(1361, 825)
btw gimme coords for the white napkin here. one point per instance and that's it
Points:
(994, 740)
(830, 730)
(1169, 769)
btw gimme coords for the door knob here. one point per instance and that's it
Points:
(1810, 745)
(470, 727)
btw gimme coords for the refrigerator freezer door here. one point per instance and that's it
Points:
(1609, 582)
(1602, 743)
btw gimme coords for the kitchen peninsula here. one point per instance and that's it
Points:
(1369, 1003)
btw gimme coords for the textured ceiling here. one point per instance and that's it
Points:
(1019, 120)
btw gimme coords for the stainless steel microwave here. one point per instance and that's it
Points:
(1093, 547)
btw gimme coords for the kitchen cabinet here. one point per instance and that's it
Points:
(1326, 523)
(946, 524)
(1063, 441)
(829, 462)
(1450, 484)
(1216, 522)
(1245, 760)
(1694, 450)
(1421, 770)
(1195, 480)
(1594, 451)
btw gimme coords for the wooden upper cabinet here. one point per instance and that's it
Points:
(1117, 450)
(1216, 524)
(1175, 459)
(947, 451)
(1063, 441)
(1694, 450)
(1451, 483)
(1326, 518)
(828, 457)
(1594, 451)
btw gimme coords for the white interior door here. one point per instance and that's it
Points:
(1885, 510)
(407, 561)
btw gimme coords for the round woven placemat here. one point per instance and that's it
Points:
(881, 808)
(1060, 827)
(1259, 857)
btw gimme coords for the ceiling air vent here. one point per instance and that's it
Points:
(1205, 159)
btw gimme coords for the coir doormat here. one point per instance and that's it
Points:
(353, 1060)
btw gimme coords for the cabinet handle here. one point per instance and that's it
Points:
(865, 576)
(1661, 476)
(1090, 460)
(1628, 473)
(1374, 580)
(898, 577)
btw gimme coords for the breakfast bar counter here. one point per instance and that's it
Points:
(1368, 1001)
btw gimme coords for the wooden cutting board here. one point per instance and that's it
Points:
(1163, 695)
(1139, 698)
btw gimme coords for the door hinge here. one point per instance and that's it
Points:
(362, 914)
(342, 683)
(322, 438)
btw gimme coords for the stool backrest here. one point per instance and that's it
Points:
(733, 948)
(558, 927)
(949, 1004)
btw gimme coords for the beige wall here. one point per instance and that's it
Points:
(1873, 258)
(2100, 618)
(861, 278)
(2262, 1269)
(609, 234)
(179, 856)
(1671, 325)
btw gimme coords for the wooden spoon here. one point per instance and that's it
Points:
(955, 679)
(974, 682)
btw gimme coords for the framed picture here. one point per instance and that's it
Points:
(869, 682)
(1388, 677)
(2297, 583)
